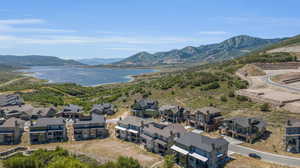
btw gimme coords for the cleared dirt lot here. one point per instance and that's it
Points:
(106, 150)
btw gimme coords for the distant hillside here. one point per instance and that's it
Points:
(35, 60)
(97, 61)
(228, 49)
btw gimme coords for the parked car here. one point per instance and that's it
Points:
(254, 155)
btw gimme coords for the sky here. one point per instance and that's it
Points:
(120, 28)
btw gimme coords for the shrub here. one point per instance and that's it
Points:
(231, 94)
(265, 107)
(223, 98)
(242, 98)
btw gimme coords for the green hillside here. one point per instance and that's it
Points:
(35, 60)
(228, 49)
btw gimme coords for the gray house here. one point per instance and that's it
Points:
(46, 130)
(207, 118)
(145, 108)
(158, 138)
(71, 111)
(11, 131)
(105, 108)
(245, 128)
(27, 112)
(195, 151)
(172, 114)
(292, 136)
(130, 128)
(10, 100)
(91, 127)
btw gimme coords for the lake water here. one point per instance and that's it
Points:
(84, 76)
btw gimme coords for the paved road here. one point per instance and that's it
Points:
(268, 80)
(268, 157)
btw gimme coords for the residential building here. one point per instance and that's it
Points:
(46, 130)
(172, 114)
(10, 100)
(248, 129)
(11, 131)
(71, 111)
(130, 128)
(145, 108)
(105, 108)
(158, 138)
(91, 127)
(207, 118)
(27, 112)
(292, 136)
(196, 151)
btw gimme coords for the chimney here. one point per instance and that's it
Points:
(289, 122)
(213, 146)
(249, 121)
(178, 135)
(142, 124)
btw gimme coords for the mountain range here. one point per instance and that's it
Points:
(231, 48)
(35, 60)
(97, 61)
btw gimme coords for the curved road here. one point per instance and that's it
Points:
(265, 156)
(268, 80)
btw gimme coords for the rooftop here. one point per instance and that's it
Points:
(73, 108)
(164, 130)
(202, 142)
(95, 118)
(10, 99)
(208, 110)
(293, 123)
(136, 121)
(248, 121)
(42, 122)
(11, 122)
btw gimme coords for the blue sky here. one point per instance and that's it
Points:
(120, 28)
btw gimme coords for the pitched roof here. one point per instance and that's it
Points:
(208, 110)
(202, 142)
(136, 121)
(11, 122)
(73, 108)
(248, 121)
(95, 118)
(41, 122)
(164, 130)
(293, 123)
(171, 108)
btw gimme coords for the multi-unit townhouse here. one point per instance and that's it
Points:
(292, 136)
(11, 131)
(158, 138)
(145, 108)
(91, 127)
(172, 114)
(207, 118)
(130, 128)
(197, 151)
(10, 100)
(248, 129)
(46, 130)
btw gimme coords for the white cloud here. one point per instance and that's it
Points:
(212, 32)
(63, 39)
(20, 21)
